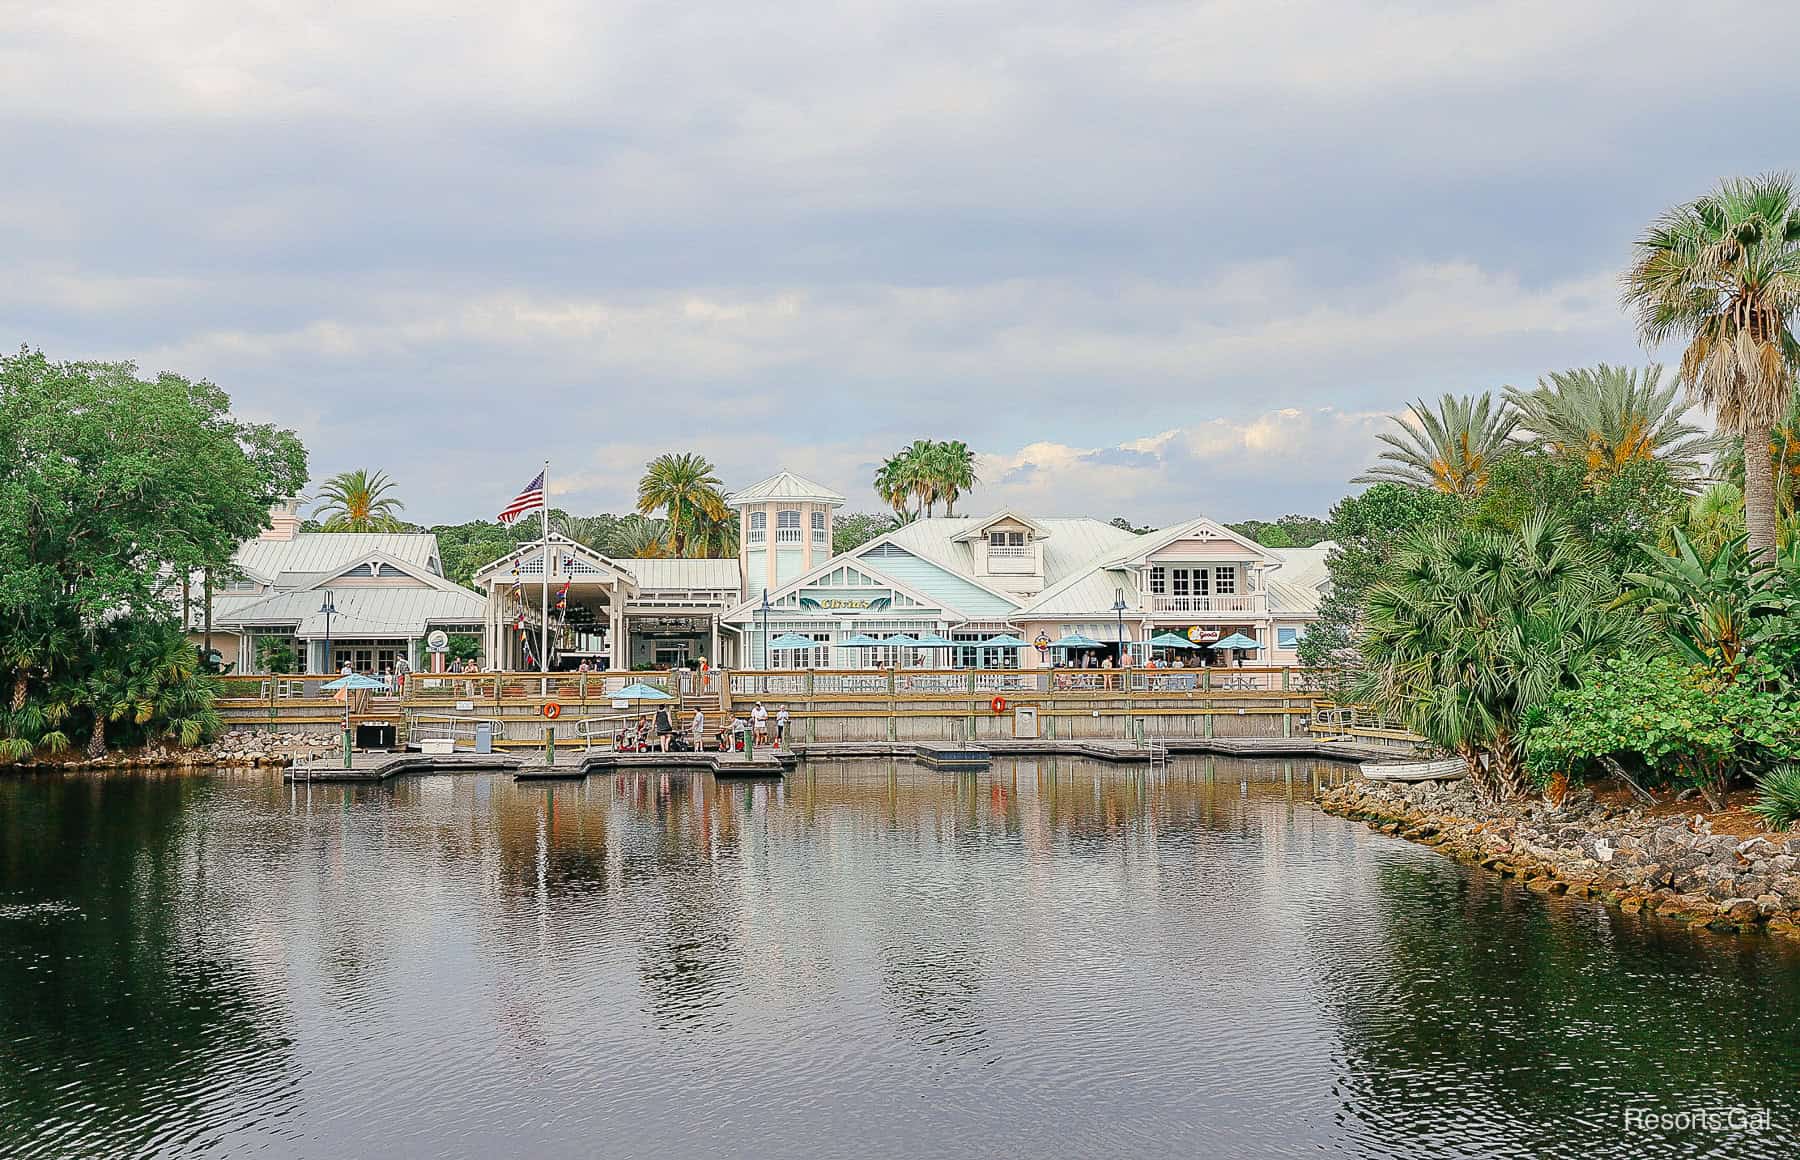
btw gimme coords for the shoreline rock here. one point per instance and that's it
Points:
(1674, 868)
(241, 748)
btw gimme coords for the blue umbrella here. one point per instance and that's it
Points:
(354, 681)
(907, 641)
(1171, 640)
(1235, 640)
(860, 640)
(1077, 641)
(933, 640)
(638, 691)
(1004, 640)
(789, 640)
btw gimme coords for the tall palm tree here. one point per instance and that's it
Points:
(1474, 627)
(714, 536)
(894, 486)
(955, 467)
(685, 487)
(1450, 449)
(1606, 417)
(1723, 273)
(358, 501)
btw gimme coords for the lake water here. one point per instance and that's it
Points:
(1054, 959)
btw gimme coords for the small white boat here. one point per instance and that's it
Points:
(1415, 770)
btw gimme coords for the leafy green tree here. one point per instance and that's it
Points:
(1605, 417)
(1686, 723)
(1615, 514)
(1474, 628)
(1449, 449)
(685, 487)
(849, 532)
(110, 485)
(359, 501)
(1723, 273)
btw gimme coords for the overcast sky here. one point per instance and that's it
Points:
(1150, 259)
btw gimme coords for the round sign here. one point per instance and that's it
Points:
(1042, 642)
(437, 640)
(1201, 635)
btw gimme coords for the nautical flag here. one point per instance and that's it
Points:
(529, 500)
(562, 597)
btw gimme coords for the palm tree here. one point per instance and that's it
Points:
(714, 536)
(955, 467)
(1709, 520)
(356, 501)
(1450, 449)
(894, 487)
(685, 487)
(637, 537)
(1474, 627)
(1606, 417)
(1723, 272)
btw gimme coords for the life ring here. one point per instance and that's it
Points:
(552, 710)
(998, 705)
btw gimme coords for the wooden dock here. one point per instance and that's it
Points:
(725, 766)
(379, 766)
(961, 756)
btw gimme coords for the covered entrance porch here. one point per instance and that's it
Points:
(587, 595)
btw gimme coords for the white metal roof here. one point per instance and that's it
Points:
(785, 485)
(1304, 566)
(1069, 546)
(362, 611)
(313, 553)
(659, 574)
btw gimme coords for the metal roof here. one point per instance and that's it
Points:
(678, 575)
(1069, 545)
(785, 485)
(326, 552)
(406, 612)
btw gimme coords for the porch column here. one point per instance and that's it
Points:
(713, 627)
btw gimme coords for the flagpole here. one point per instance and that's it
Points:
(544, 633)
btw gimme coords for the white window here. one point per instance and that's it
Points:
(1002, 544)
(819, 527)
(787, 526)
(759, 527)
(1225, 581)
(1159, 580)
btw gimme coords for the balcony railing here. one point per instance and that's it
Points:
(1009, 551)
(1254, 602)
(787, 535)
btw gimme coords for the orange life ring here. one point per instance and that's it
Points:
(552, 710)
(998, 704)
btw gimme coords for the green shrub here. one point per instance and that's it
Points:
(1778, 797)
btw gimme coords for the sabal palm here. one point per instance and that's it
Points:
(1723, 273)
(358, 501)
(685, 488)
(1605, 417)
(953, 462)
(894, 485)
(1474, 627)
(1450, 449)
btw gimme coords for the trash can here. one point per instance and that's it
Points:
(484, 736)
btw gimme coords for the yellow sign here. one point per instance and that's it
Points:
(1202, 635)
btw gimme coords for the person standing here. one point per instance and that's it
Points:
(781, 724)
(698, 727)
(759, 718)
(705, 675)
(664, 729)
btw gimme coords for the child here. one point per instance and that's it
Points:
(781, 724)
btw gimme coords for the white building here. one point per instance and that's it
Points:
(970, 578)
(387, 592)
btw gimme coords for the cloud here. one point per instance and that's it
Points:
(1138, 244)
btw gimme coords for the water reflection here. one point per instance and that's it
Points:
(1052, 958)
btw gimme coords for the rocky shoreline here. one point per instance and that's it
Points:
(1676, 868)
(240, 747)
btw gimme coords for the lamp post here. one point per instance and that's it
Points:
(764, 613)
(329, 609)
(1119, 608)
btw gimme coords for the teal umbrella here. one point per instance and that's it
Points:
(354, 681)
(1171, 640)
(906, 641)
(1235, 640)
(789, 640)
(638, 691)
(1004, 640)
(860, 640)
(1077, 641)
(933, 640)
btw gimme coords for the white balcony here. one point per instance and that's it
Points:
(1255, 603)
(787, 535)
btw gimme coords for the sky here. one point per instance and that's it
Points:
(1155, 260)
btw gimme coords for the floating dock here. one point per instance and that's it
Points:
(725, 766)
(379, 766)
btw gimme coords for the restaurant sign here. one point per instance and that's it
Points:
(1202, 635)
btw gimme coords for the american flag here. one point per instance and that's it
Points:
(529, 500)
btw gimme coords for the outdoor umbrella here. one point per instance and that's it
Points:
(789, 640)
(1004, 640)
(353, 682)
(1077, 641)
(933, 640)
(1171, 640)
(1235, 640)
(903, 640)
(860, 640)
(638, 691)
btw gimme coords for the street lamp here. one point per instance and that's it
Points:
(328, 608)
(764, 613)
(1119, 608)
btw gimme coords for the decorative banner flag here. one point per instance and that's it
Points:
(529, 500)
(562, 597)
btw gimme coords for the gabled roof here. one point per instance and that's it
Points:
(977, 527)
(1201, 529)
(364, 611)
(530, 559)
(675, 573)
(810, 579)
(1071, 545)
(785, 485)
(1086, 593)
(310, 553)
(416, 571)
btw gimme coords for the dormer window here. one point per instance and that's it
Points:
(1007, 545)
